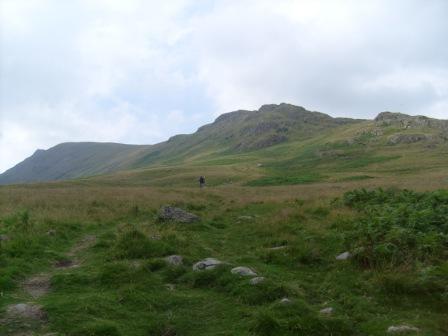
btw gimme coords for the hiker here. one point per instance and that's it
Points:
(202, 182)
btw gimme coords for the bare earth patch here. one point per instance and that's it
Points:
(38, 285)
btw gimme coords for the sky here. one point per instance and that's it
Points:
(140, 71)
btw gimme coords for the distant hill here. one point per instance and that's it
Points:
(290, 140)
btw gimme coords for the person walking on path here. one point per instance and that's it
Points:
(202, 182)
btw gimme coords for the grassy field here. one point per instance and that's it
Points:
(123, 286)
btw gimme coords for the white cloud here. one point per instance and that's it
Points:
(139, 71)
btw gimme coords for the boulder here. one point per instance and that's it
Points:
(175, 260)
(402, 329)
(344, 256)
(256, 280)
(206, 264)
(243, 271)
(177, 215)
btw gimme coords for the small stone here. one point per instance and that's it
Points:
(245, 218)
(402, 329)
(327, 311)
(256, 280)
(170, 287)
(51, 232)
(344, 256)
(285, 301)
(174, 260)
(243, 271)
(206, 264)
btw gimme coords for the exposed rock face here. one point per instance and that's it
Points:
(407, 138)
(175, 260)
(406, 121)
(243, 271)
(177, 215)
(206, 264)
(402, 329)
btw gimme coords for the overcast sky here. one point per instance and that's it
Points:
(139, 71)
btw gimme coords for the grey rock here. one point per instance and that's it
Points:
(51, 232)
(37, 286)
(175, 260)
(327, 311)
(256, 280)
(243, 271)
(285, 301)
(177, 215)
(344, 256)
(26, 311)
(206, 264)
(407, 138)
(402, 329)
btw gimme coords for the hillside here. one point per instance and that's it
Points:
(287, 143)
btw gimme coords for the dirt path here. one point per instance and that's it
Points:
(23, 319)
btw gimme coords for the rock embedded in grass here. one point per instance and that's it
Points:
(206, 264)
(177, 215)
(26, 311)
(402, 329)
(4, 237)
(285, 301)
(344, 256)
(175, 260)
(256, 280)
(243, 271)
(327, 311)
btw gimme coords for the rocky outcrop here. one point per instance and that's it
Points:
(406, 121)
(407, 138)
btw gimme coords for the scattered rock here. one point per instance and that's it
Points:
(37, 286)
(177, 214)
(174, 260)
(259, 165)
(402, 329)
(26, 311)
(327, 311)
(206, 264)
(285, 301)
(256, 280)
(344, 256)
(243, 271)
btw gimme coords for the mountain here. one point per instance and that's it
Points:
(294, 145)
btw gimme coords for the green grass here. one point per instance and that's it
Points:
(124, 286)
